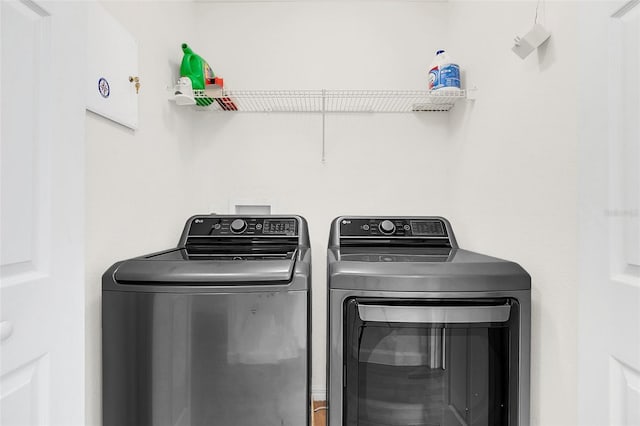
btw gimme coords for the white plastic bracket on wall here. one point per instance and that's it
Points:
(472, 93)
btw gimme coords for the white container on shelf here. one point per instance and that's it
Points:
(444, 74)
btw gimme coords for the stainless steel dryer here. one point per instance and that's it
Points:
(212, 332)
(421, 332)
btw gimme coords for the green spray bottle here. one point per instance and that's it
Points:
(198, 71)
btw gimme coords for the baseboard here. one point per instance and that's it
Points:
(318, 393)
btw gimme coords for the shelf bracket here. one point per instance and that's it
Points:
(323, 124)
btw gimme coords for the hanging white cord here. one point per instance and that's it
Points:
(535, 20)
(544, 11)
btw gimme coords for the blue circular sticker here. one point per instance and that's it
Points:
(103, 87)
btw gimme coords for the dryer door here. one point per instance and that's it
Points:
(431, 362)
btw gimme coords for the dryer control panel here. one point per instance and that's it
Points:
(391, 231)
(393, 227)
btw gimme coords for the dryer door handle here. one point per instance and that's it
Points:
(433, 314)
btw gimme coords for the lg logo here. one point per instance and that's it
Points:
(346, 222)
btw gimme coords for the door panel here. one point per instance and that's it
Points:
(25, 205)
(609, 334)
(41, 188)
(624, 163)
(624, 188)
(624, 394)
(623, 281)
(24, 176)
(25, 399)
(19, 106)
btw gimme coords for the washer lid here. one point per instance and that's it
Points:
(177, 267)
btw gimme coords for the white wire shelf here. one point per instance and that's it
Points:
(328, 101)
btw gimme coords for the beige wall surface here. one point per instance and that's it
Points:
(135, 181)
(502, 168)
(514, 175)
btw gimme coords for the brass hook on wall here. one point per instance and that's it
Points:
(137, 81)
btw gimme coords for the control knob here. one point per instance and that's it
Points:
(387, 227)
(238, 226)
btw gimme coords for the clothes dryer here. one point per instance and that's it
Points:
(422, 332)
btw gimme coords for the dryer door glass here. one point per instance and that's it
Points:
(435, 363)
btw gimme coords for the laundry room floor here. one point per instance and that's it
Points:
(319, 413)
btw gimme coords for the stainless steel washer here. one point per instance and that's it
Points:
(214, 331)
(421, 332)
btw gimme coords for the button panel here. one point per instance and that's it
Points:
(387, 227)
(222, 226)
(375, 227)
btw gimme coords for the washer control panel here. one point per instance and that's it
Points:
(392, 227)
(253, 226)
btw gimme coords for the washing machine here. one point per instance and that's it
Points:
(422, 332)
(214, 331)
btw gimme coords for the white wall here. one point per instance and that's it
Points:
(513, 188)
(506, 183)
(135, 182)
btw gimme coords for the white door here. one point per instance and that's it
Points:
(41, 213)
(609, 334)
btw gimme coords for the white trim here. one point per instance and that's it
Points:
(318, 393)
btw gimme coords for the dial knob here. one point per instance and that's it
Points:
(387, 227)
(238, 226)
